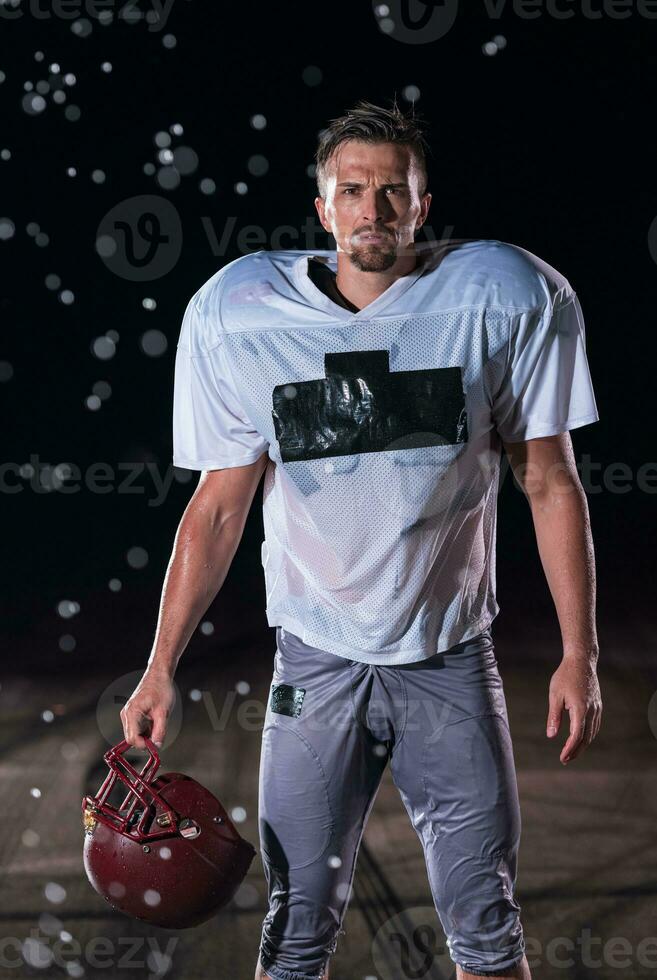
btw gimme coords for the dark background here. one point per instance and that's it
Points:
(548, 144)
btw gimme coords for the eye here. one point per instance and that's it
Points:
(348, 190)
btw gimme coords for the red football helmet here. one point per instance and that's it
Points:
(170, 853)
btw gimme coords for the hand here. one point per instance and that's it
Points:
(147, 709)
(574, 686)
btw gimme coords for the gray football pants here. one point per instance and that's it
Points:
(331, 726)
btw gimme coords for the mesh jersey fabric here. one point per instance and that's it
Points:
(383, 428)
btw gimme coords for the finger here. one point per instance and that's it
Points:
(555, 713)
(587, 734)
(577, 722)
(136, 722)
(598, 720)
(592, 715)
(159, 728)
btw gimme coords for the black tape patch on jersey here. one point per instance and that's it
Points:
(287, 700)
(363, 407)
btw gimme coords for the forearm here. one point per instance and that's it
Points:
(565, 544)
(203, 550)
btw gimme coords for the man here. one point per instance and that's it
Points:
(377, 385)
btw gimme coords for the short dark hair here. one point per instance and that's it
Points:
(371, 123)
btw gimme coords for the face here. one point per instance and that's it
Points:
(372, 204)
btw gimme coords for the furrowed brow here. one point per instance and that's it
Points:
(357, 183)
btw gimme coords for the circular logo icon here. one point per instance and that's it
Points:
(114, 697)
(412, 946)
(415, 21)
(140, 239)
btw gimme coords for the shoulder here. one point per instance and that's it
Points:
(204, 316)
(489, 272)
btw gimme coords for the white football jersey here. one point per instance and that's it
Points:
(383, 429)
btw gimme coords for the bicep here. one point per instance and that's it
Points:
(544, 463)
(225, 495)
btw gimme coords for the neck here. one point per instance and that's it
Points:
(361, 288)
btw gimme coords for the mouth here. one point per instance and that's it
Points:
(374, 237)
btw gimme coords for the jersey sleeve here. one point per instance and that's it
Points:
(547, 386)
(211, 429)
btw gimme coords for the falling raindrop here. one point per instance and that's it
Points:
(312, 75)
(102, 389)
(153, 343)
(257, 165)
(7, 229)
(137, 557)
(33, 104)
(168, 178)
(103, 348)
(67, 608)
(411, 93)
(55, 893)
(81, 27)
(185, 160)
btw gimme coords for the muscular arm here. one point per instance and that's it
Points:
(206, 541)
(545, 469)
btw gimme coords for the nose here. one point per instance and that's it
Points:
(375, 205)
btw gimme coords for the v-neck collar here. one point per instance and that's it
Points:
(321, 301)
